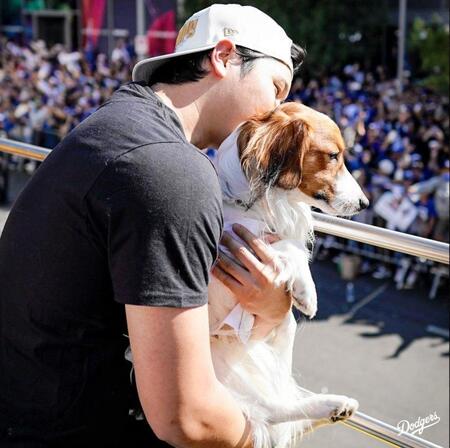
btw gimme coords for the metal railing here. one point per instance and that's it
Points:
(365, 233)
(387, 239)
(383, 432)
(386, 433)
(23, 149)
(352, 230)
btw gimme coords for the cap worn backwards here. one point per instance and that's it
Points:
(243, 25)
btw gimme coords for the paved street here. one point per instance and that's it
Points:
(379, 353)
(377, 350)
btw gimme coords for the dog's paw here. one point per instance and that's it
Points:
(330, 408)
(342, 407)
(345, 410)
(304, 295)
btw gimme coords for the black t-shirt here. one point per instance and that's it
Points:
(123, 211)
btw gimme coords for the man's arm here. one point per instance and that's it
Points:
(158, 212)
(425, 187)
(183, 401)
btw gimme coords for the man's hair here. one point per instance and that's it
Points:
(190, 68)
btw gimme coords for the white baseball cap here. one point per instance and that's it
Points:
(243, 25)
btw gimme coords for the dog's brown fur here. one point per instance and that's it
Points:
(291, 147)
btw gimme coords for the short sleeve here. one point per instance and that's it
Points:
(161, 224)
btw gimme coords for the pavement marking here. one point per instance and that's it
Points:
(366, 300)
(438, 331)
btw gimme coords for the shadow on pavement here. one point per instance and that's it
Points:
(406, 313)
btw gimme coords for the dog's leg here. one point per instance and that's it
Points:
(309, 426)
(312, 425)
(304, 293)
(328, 407)
(295, 272)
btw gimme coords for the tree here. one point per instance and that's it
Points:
(333, 32)
(431, 43)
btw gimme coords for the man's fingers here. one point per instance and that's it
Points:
(229, 281)
(261, 249)
(230, 266)
(243, 254)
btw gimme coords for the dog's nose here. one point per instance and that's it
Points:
(363, 203)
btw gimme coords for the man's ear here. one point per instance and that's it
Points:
(220, 56)
(272, 151)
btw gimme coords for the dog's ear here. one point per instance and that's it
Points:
(287, 153)
(272, 149)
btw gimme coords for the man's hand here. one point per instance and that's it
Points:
(252, 279)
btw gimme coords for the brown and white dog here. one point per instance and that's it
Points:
(272, 169)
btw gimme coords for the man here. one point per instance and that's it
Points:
(116, 234)
(440, 186)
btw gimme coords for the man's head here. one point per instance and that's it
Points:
(234, 60)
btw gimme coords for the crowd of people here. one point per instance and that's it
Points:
(46, 92)
(397, 142)
(398, 149)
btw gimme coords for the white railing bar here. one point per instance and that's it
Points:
(376, 236)
(364, 233)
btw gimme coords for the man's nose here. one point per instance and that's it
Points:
(363, 203)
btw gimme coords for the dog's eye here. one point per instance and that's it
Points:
(334, 156)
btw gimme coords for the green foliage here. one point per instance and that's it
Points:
(431, 42)
(34, 5)
(333, 32)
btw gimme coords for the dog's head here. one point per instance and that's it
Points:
(296, 147)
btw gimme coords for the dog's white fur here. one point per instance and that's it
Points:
(259, 373)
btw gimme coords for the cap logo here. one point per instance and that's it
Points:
(186, 31)
(230, 32)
